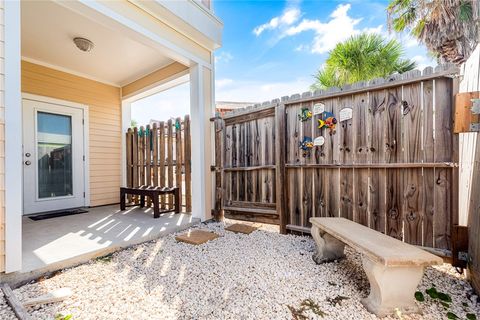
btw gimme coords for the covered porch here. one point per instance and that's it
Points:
(53, 244)
(83, 93)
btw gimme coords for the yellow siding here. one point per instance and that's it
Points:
(105, 131)
(2, 143)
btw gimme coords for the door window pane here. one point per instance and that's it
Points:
(54, 151)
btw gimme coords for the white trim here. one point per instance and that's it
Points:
(126, 122)
(159, 86)
(197, 129)
(66, 70)
(208, 11)
(86, 128)
(13, 134)
(86, 151)
(200, 130)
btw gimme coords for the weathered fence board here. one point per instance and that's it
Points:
(389, 166)
(151, 159)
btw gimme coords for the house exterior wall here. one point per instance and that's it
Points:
(2, 140)
(105, 133)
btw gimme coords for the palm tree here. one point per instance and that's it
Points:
(362, 57)
(449, 28)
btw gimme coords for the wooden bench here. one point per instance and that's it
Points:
(154, 194)
(394, 268)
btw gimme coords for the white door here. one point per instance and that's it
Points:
(53, 157)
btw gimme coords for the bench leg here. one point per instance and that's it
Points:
(328, 248)
(177, 200)
(391, 288)
(122, 200)
(156, 206)
(142, 201)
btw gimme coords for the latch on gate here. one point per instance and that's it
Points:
(475, 106)
(475, 127)
(475, 111)
(467, 112)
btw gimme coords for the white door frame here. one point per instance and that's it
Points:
(13, 147)
(83, 107)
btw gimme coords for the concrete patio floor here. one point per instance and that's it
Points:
(57, 243)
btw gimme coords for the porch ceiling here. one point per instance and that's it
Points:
(48, 30)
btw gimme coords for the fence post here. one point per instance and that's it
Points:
(280, 166)
(178, 157)
(188, 166)
(170, 161)
(219, 150)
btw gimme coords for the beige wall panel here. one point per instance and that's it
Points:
(105, 133)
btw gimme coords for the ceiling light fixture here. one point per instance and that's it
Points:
(83, 44)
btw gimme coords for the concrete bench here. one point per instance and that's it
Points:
(393, 268)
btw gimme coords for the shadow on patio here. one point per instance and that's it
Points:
(58, 243)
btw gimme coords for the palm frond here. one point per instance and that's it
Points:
(362, 57)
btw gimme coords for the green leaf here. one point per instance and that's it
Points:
(445, 305)
(432, 292)
(444, 297)
(466, 11)
(471, 316)
(465, 304)
(362, 57)
(451, 315)
(419, 296)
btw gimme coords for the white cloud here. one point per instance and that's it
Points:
(172, 103)
(259, 91)
(302, 47)
(175, 102)
(411, 42)
(289, 17)
(221, 83)
(423, 62)
(224, 57)
(338, 28)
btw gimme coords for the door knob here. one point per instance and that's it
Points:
(28, 162)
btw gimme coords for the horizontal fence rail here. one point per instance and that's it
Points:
(160, 155)
(391, 165)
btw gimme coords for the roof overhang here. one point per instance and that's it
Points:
(190, 17)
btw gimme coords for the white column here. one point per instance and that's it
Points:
(126, 123)
(201, 110)
(13, 139)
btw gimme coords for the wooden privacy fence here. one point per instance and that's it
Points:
(160, 155)
(391, 165)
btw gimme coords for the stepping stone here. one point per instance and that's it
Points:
(196, 237)
(241, 228)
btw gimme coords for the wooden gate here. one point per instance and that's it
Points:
(249, 167)
(160, 155)
(392, 166)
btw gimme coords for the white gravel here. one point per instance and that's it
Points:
(236, 276)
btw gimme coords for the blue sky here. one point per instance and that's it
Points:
(273, 48)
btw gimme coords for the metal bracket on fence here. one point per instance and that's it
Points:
(475, 127)
(215, 169)
(475, 106)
